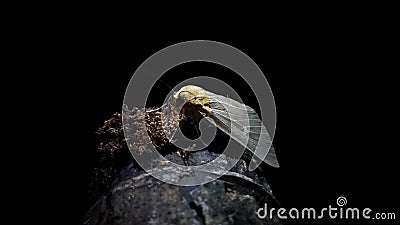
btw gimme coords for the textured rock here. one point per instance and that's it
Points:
(122, 193)
(219, 207)
(143, 200)
(138, 198)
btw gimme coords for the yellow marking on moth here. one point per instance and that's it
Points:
(195, 95)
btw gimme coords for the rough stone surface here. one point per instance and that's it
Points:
(146, 200)
(143, 201)
(219, 207)
(122, 193)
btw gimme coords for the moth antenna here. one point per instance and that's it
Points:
(170, 88)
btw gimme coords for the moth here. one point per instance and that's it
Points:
(237, 120)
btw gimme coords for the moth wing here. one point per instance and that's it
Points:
(242, 123)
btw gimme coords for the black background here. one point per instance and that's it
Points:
(334, 94)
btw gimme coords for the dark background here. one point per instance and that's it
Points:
(335, 100)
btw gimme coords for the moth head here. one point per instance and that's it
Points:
(194, 95)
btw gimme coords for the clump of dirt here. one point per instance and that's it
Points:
(113, 154)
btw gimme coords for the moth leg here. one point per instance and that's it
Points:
(184, 155)
(197, 129)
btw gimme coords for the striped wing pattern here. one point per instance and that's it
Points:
(242, 123)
